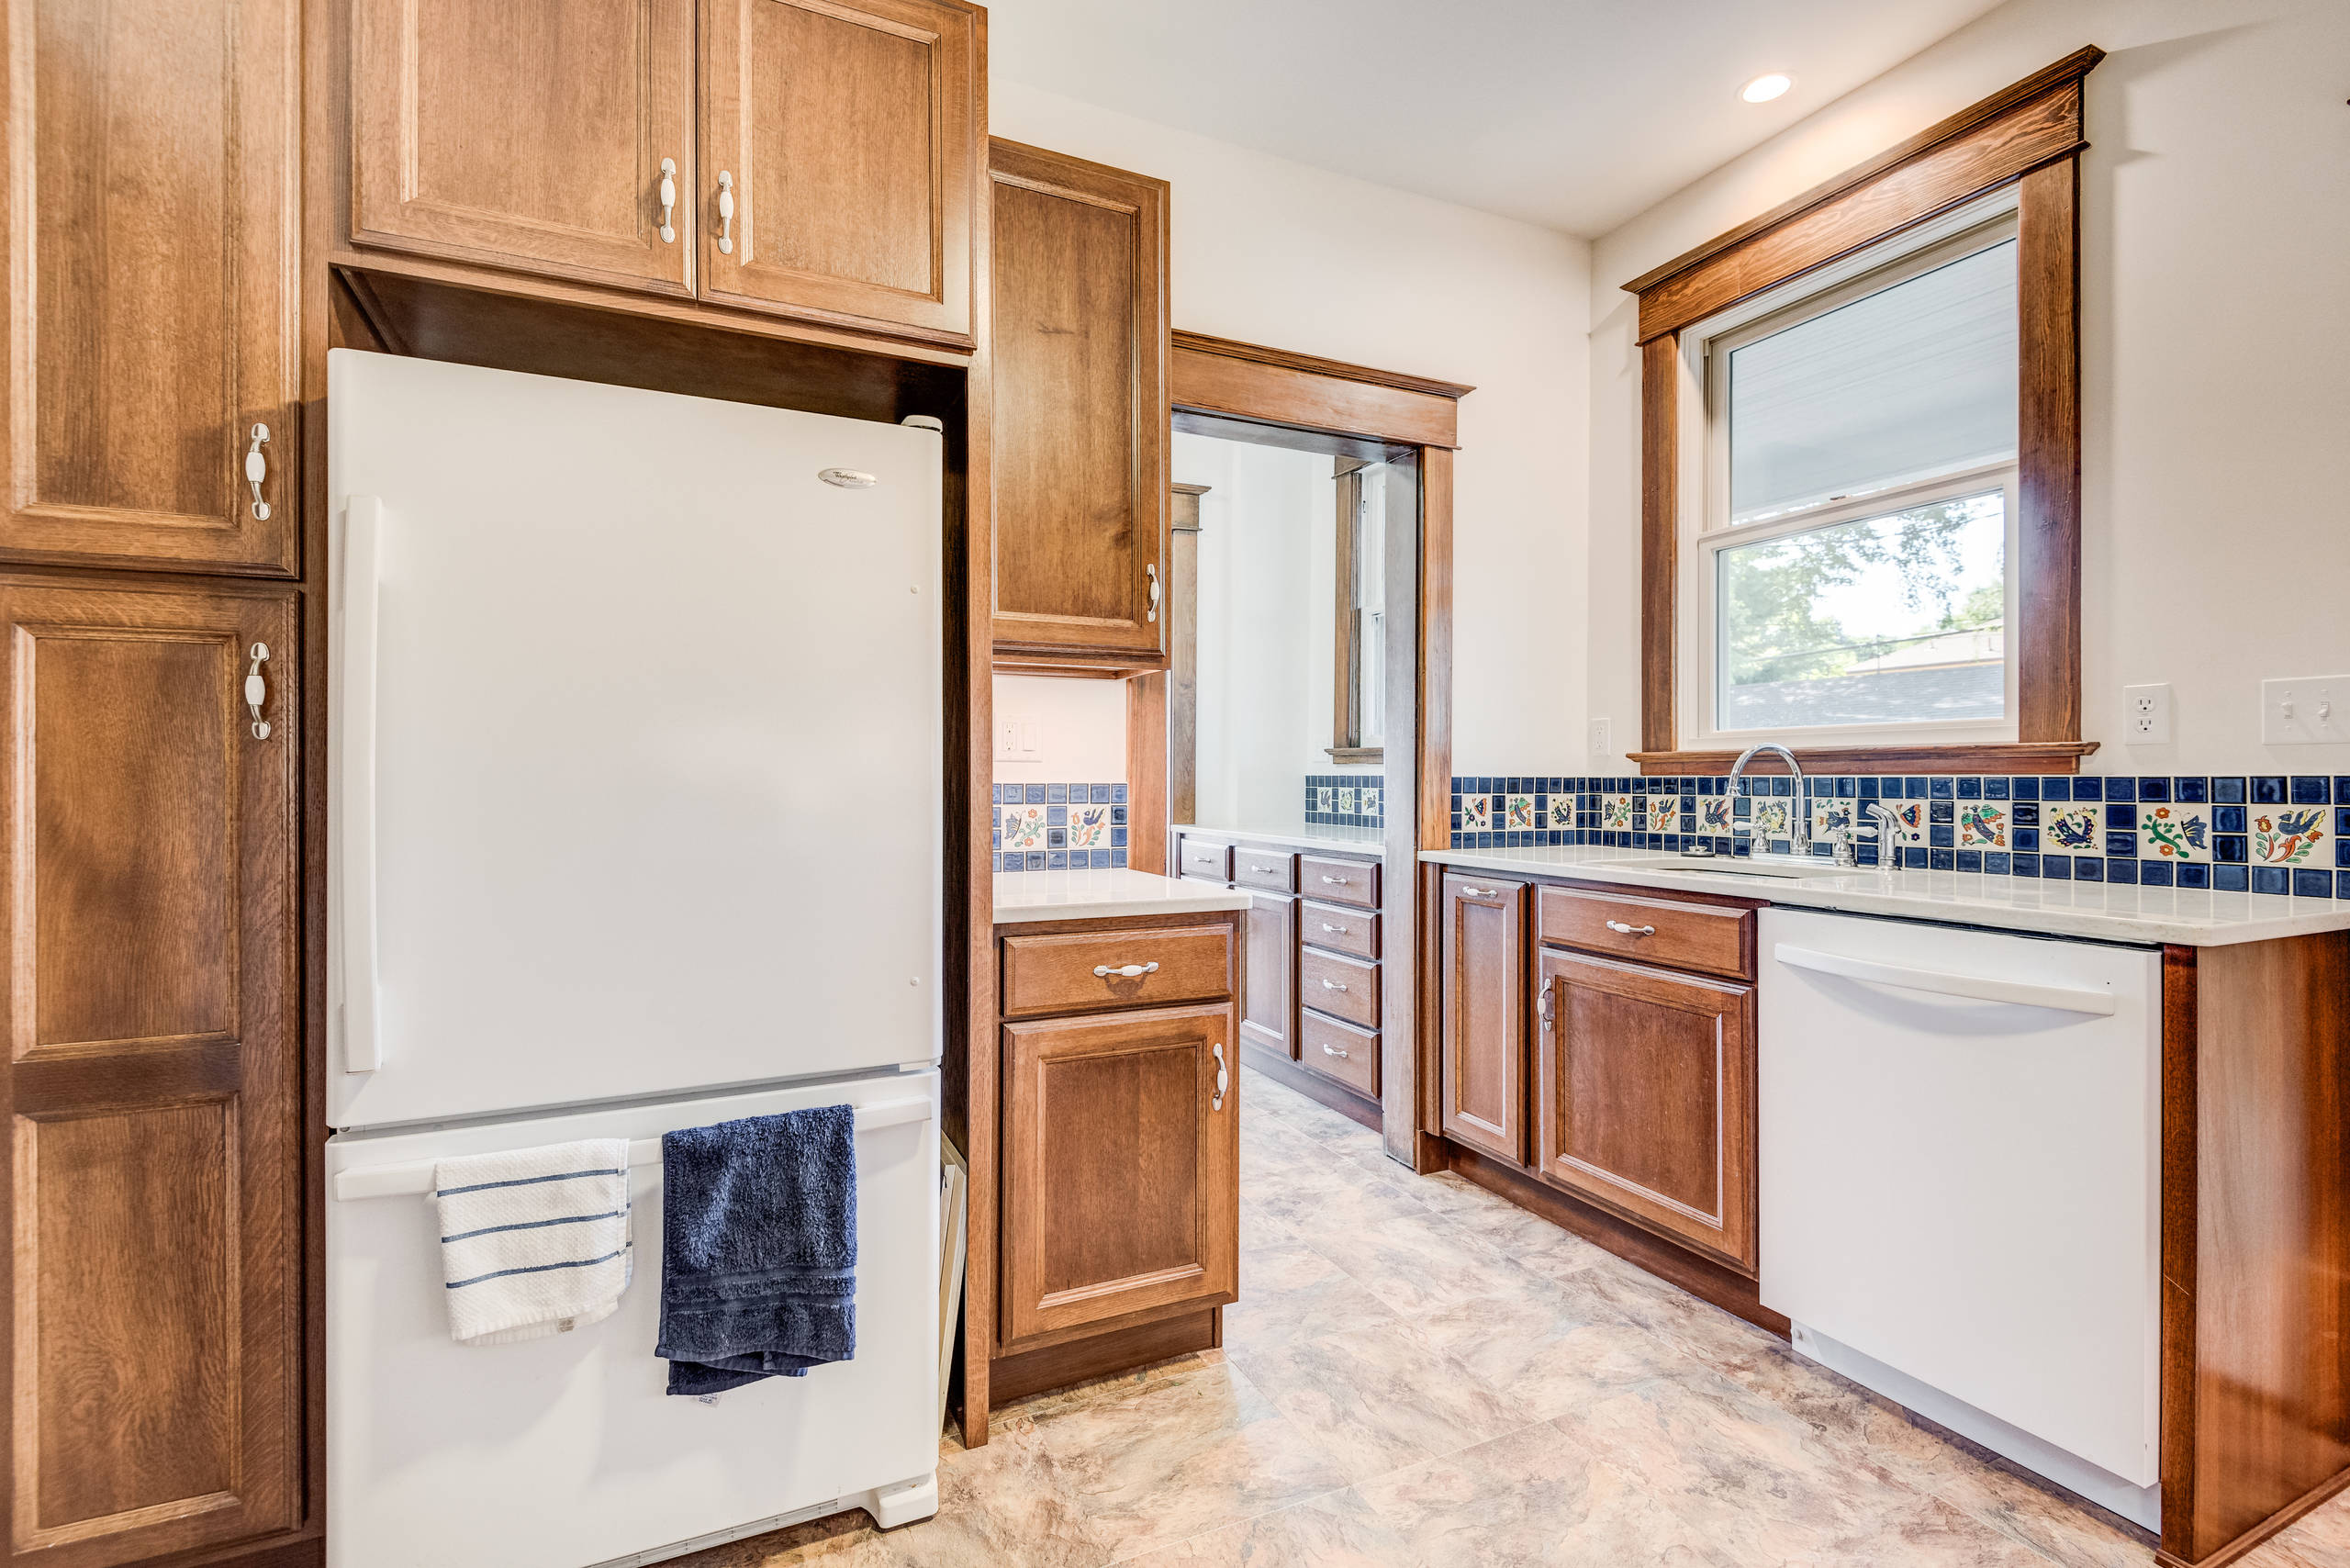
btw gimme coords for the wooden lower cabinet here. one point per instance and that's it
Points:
(152, 1085)
(1269, 1011)
(1121, 1168)
(1481, 1043)
(1644, 1097)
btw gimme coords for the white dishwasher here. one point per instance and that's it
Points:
(1959, 1182)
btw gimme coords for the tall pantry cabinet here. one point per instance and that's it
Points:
(153, 1297)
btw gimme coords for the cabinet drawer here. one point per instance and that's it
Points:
(1063, 974)
(1340, 881)
(1344, 987)
(1340, 1051)
(1275, 870)
(1207, 857)
(1678, 935)
(1339, 929)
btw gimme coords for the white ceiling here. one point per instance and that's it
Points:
(1576, 114)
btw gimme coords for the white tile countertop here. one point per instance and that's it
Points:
(2097, 910)
(1295, 834)
(1105, 895)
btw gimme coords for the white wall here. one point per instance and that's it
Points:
(1080, 728)
(2215, 282)
(1275, 253)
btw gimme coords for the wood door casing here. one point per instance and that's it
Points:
(1081, 431)
(1482, 1042)
(1644, 1098)
(847, 131)
(1121, 1172)
(153, 1088)
(152, 218)
(1269, 1003)
(527, 135)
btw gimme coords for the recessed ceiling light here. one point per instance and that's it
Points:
(1762, 89)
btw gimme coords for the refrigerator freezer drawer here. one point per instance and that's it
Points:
(566, 1451)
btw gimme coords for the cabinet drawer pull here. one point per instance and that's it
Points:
(1332, 985)
(1254, 867)
(1104, 972)
(1215, 1100)
(1151, 570)
(1336, 881)
(726, 212)
(668, 200)
(1334, 930)
(256, 470)
(1481, 892)
(1624, 928)
(257, 689)
(1332, 1051)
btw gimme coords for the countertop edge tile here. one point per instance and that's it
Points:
(2093, 911)
(1028, 896)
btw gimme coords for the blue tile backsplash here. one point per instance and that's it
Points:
(2239, 833)
(1060, 828)
(1345, 799)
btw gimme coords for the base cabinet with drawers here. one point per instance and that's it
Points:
(1310, 1014)
(1120, 1144)
(1598, 1043)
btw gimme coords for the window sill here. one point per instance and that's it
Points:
(1987, 757)
(1351, 754)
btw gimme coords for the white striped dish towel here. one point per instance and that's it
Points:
(533, 1241)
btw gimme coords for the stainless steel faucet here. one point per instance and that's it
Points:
(1799, 815)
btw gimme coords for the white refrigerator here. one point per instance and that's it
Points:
(636, 767)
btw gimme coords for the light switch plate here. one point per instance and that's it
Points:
(2312, 710)
(2145, 715)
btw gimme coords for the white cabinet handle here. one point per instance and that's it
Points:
(1215, 1101)
(1336, 881)
(1332, 1051)
(1332, 985)
(1151, 570)
(1544, 1007)
(257, 689)
(257, 469)
(1974, 988)
(1625, 928)
(1481, 892)
(1261, 869)
(726, 212)
(1104, 972)
(668, 200)
(1337, 930)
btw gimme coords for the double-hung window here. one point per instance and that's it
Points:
(1854, 552)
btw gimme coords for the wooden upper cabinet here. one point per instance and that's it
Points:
(1079, 338)
(1645, 1098)
(153, 220)
(1481, 1038)
(528, 134)
(152, 1081)
(844, 138)
(1121, 1168)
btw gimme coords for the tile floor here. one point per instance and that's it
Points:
(1419, 1372)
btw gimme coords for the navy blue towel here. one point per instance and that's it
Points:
(758, 1248)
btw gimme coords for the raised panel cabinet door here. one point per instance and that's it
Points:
(153, 1095)
(553, 137)
(1644, 1099)
(840, 161)
(1121, 1168)
(1481, 1041)
(1269, 1005)
(1078, 454)
(153, 216)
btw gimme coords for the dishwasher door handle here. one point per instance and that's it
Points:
(1977, 988)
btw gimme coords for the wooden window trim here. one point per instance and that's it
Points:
(1346, 652)
(2028, 135)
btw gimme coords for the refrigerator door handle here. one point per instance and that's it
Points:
(357, 586)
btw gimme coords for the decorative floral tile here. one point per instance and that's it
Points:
(1771, 817)
(1367, 799)
(1023, 828)
(1089, 826)
(1982, 825)
(1616, 813)
(2074, 828)
(1476, 814)
(2288, 835)
(1517, 815)
(1713, 815)
(1346, 799)
(2181, 833)
(1902, 821)
(1663, 814)
(1325, 798)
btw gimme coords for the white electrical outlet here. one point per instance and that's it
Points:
(1015, 737)
(1603, 738)
(2146, 715)
(2307, 710)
